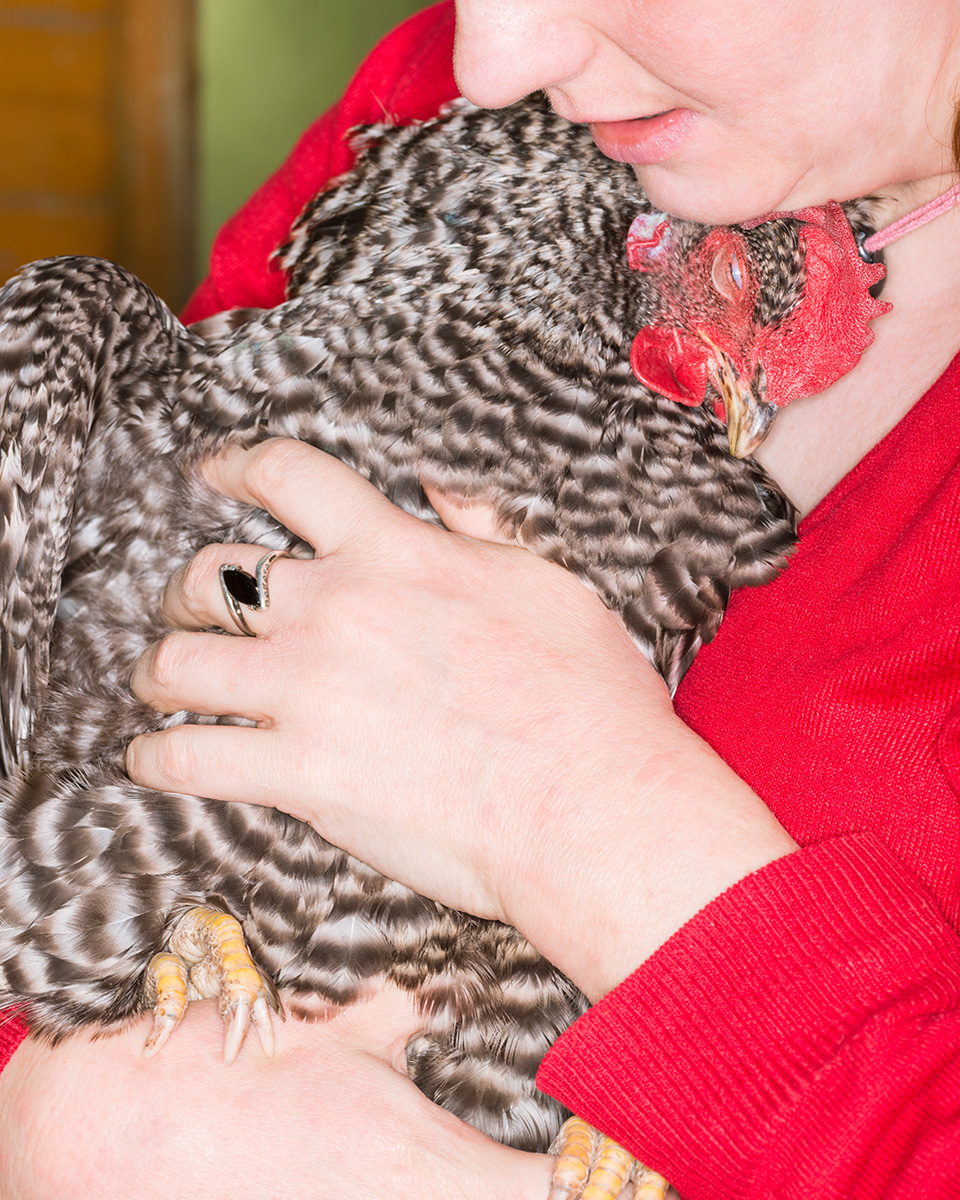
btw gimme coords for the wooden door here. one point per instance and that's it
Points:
(96, 135)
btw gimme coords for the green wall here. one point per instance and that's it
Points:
(266, 69)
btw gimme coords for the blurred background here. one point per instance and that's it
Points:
(131, 129)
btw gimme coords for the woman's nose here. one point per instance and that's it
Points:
(506, 49)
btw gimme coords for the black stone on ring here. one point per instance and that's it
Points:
(242, 590)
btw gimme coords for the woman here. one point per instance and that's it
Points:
(769, 1020)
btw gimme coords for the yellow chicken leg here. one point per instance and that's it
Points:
(207, 958)
(592, 1167)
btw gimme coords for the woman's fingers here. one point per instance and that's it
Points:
(77, 1119)
(313, 494)
(325, 502)
(219, 580)
(475, 519)
(206, 760)
(204, 673)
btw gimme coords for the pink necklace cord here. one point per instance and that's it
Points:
(913, 220)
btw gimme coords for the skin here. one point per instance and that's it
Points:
(406, 665)
(864, 78)
(94, 1120)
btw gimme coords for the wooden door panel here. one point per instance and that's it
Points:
(50, 149)
(97, 135)
(30, 234)
(50, 52)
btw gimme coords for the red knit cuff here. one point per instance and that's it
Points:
(693, 1059)
(12, 1033)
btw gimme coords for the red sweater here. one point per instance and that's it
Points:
(801, 1036)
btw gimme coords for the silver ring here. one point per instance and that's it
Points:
(242, 590)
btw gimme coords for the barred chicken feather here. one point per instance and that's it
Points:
(461, 312)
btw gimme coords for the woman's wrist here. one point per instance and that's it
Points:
(591, 888)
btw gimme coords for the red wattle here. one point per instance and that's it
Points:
(671, 363)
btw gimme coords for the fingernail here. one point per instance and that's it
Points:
(209, 467)
(129, 755)
(141, 670)
(215, 467)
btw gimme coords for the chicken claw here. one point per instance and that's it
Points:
(208, 958)
(592, 1167)
(165, 986)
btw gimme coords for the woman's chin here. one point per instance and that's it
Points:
(709, 198)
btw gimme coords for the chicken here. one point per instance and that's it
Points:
(461, 312)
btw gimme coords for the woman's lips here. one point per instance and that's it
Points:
(644, 140)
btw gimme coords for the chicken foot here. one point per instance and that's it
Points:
(590, 1166)
(207, 958)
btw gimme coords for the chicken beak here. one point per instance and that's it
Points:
(749, 415)
(748, 419)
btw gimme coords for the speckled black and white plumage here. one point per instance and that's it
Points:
(461, 312)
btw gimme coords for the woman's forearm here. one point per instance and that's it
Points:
(633, 847)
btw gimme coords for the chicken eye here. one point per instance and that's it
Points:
(727, 274)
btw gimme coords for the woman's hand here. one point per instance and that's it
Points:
(463, 716)
(329, 1116)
